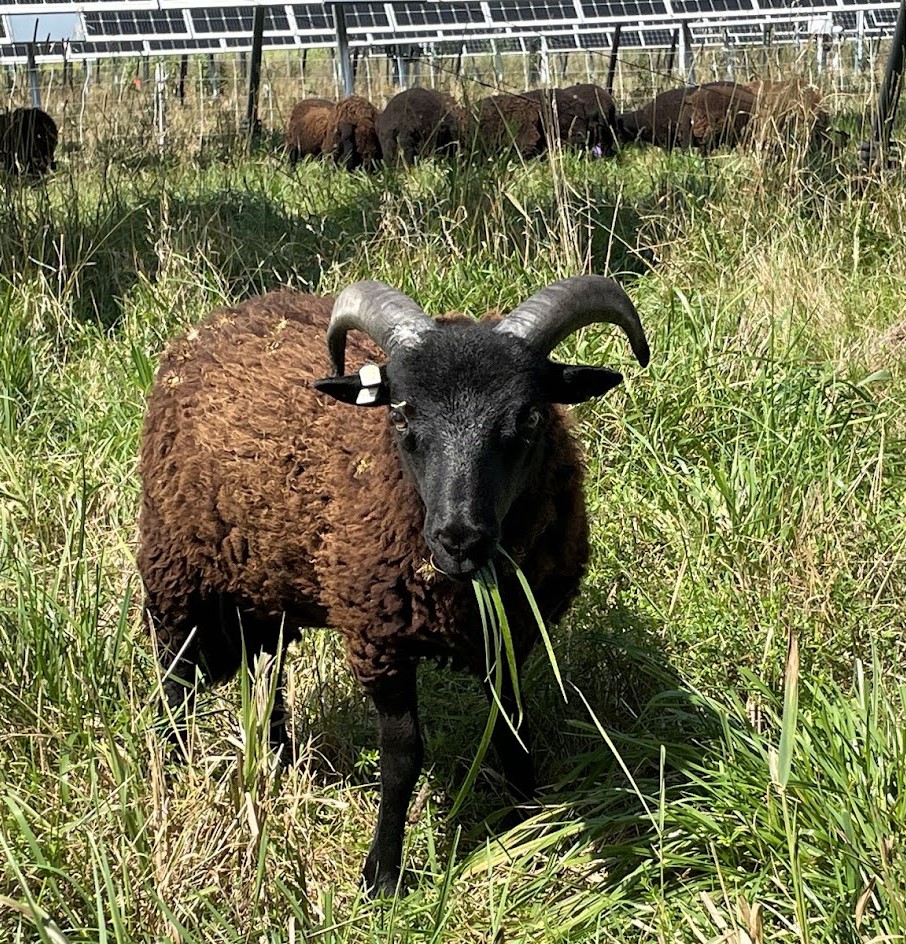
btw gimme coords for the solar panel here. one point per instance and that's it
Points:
(136, 23)
(624, 9)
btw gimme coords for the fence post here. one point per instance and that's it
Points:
(339, 24)
(160, 104)
(251, 125)
(614, 50)
(34, 86)
(888, 98)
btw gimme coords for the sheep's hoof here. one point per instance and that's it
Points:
(379, 884)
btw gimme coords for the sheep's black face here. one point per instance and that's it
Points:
(468, 408)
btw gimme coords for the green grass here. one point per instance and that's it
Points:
(708, 779)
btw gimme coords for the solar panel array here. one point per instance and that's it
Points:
(161, 27)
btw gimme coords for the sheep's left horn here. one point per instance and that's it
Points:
(553, 313)
(390, 318)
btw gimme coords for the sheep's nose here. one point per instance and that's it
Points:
(468, 547)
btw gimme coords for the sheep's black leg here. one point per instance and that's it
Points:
(278, 732)
(402, 753)
(516, 760)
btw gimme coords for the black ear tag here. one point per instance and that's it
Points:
(366, 388)
(571, 383)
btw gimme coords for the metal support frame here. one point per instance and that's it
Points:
(34, 85)
(687, 55)
(614, 50)
(347, 78)
(251, 125)
(877, 150)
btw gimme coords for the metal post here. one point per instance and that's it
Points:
(32, 69)
(339, 24)
(252, 126)
(888, 96)
(614, 49)
(860, 40)
(213, 76)
(183, 72)
(671, 52)
(688, 56)
(544, 63)
(160, 103)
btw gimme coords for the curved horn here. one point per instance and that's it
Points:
(388, 317)
(553, 313)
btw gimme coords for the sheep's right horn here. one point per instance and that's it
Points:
(553, 313)
(390, 318)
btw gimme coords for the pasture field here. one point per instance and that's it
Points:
(731, 762)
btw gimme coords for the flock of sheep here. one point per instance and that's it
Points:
(418, 122)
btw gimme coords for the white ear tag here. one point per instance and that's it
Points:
(366, 396)
(370, 375)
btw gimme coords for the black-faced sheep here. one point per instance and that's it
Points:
(600, 115)
(307, 128)
(268, 507)
(419, 122)
(28, 140)
(510, 124)
(351, 138)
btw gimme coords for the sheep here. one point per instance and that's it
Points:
(307, 127)
(351, 138)
(787, 114)
(28, 139)
(600, 112)
(719, 113)
(267, 507)
(418, 122)
(664, 121)
(510, 123)
(564, 116)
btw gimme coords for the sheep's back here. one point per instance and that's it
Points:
(229, 504)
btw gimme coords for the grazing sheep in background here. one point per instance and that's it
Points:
(600, 113)
(787, 114)
(719, 113)
(28, 139)
(417, 123)
(664, 121)
(308, 125)
(510, 123)
(268, 507)
(564, 117)
(351, 138)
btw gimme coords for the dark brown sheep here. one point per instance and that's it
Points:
(510, 124)
(419, 122)
(307, 128)
(28, 140)
(564, 117)
(600, 113)
(719, 114)
(268, 507)
(352, 139)
(664, 121)
(788, 116)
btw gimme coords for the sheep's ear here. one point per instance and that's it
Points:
(368, 387)
(570, 383)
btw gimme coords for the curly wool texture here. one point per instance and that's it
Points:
(563, 115)
(351, 138)
(307, 128)
(262, 495)
(787, 114)
(510, 123)
(419, 122)
(28, 140)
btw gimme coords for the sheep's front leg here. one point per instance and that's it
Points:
(516, 759)
(402, 753)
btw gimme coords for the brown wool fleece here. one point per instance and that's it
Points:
(362, 115)
(420, 121)
(308, 124)
(260, 494)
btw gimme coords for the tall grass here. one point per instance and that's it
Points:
(745, 490)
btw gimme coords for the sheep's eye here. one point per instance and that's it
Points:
(398, 418)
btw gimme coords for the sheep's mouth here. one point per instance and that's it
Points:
(459, 570)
